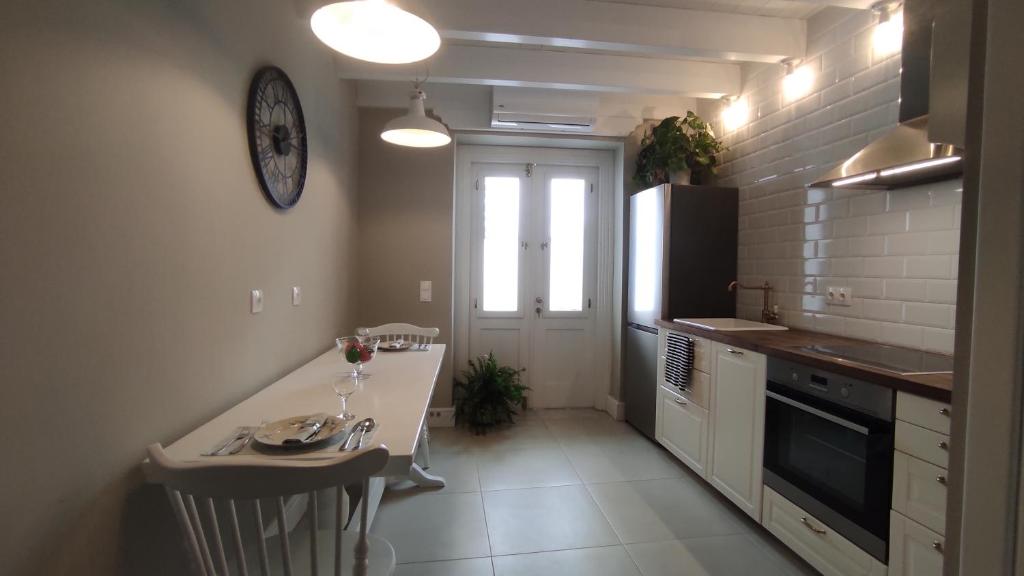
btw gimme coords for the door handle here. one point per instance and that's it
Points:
(734, 351)
(538, 310)
(680, 401)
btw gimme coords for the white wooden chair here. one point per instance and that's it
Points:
(422, 337)
(200, 491)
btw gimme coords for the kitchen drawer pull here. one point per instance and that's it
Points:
(944, 411)
(940, 479)
(680, 401)
(812, 527)
(733, 351)
(943, 445)
(937, 546)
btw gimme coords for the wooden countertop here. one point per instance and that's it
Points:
(788, 344)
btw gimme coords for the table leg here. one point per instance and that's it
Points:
(423, 479)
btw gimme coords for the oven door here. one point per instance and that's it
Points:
(832, 461)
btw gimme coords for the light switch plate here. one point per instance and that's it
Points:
(256, 301)
(426, 291)
(296, 295)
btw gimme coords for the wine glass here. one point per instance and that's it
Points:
(358, 350)
(344, 386)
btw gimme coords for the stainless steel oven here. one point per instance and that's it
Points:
(829, 449)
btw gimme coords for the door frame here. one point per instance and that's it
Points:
(604, 160)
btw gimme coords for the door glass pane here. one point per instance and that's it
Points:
(565, 275)
(501, 244)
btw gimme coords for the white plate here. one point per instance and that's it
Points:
(275, 433)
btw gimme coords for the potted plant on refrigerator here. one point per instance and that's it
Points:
(678, 150)
(489, 395)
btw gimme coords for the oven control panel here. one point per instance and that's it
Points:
(858, 395)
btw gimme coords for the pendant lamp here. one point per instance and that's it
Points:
(375, 31)
(415, 129)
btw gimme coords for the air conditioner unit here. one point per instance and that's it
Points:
(541, 110)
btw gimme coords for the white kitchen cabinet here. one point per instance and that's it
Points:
(682, 429)
(919, 491)
(814, 541)
(913, 549)
(737, 425)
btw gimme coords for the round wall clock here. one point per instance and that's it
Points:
(277, 136)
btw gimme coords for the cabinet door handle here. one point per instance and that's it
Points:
(812, 527)
(734, 351)
(940, 479)
(944, 445)
(680, 401)
(944, 411)
(937, 546)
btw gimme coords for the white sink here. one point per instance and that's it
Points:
(727, 324)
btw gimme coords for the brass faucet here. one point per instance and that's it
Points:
(768, 316)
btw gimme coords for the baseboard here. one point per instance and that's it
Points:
(615, 408)
(441, 417)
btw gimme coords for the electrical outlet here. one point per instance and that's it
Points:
(296, 295)
(839, 295)
(441, 417)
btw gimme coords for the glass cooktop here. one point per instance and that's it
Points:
(903, 361)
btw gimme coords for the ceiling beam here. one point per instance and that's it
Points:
(619, 28)
(505, 66)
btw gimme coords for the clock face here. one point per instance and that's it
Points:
(277, 136)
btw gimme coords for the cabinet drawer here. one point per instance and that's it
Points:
(913, 549)
(919, 491)
(701, 351)
(815, 542)
(699, 390)
(922, 443)
(683, 429)
(926, 413)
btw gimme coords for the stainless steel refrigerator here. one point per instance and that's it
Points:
(682, 256)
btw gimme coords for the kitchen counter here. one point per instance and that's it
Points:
(788, 344)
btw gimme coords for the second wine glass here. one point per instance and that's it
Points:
(345, 386)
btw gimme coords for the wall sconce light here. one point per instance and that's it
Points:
(887, 38)
(798, 80)
(736, 112)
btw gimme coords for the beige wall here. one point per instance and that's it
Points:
(405, 229)
(131, 229)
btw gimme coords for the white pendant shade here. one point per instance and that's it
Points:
(415, 129)
(375, 31)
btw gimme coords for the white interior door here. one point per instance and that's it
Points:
(533, 276)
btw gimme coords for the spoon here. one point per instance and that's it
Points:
(368, 425)
(361, 427)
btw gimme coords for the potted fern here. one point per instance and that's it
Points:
(680, 150)
(489, 395)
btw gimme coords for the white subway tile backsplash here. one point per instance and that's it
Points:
(906, 244)
(929, 267)
(940, 218)
(888, 223)
(902, 289)
(896, 249)
(941, 291)
(887, 310)
(883, 267)
(937, 315)
(938, 340)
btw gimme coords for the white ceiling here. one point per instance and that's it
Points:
(775, 8)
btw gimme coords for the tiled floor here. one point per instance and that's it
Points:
(567, 492)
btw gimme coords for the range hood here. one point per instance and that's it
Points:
(926, 145)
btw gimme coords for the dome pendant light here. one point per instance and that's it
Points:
(375, 31)
(415, 129)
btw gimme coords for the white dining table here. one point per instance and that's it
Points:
(396, 395)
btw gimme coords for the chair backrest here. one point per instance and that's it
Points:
(198, 489)
(407, 332)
